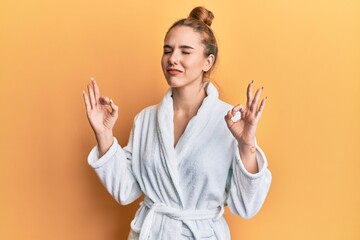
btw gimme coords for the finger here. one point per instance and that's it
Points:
(104, 100)
(87, 102)
(96, 88)
(92, 97)
(237, 108)
(261, 108)
(115, 108)
(228, 119)
(256, 99)
(249, 94)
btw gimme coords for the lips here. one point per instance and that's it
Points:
(173, 71)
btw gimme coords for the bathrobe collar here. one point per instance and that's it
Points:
(165, 128)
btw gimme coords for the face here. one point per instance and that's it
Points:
(183, 61)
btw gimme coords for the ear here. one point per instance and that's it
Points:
(209, 61)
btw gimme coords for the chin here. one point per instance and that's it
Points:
(175, 82)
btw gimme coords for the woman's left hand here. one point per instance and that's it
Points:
(244, 129)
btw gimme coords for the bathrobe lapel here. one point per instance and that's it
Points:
(165, 128)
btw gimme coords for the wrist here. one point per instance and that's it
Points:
(247, 148)
(247, 143)
(248, 157)
(104, 135)
(104, 142)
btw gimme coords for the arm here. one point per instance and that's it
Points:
(246, 191)
(249, 178)
(111, 163)
(114, 169)
(248, 157)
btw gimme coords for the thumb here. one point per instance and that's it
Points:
(114, 107)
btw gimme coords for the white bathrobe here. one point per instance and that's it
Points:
(185, 187)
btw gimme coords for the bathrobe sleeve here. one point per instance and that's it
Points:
(246, 192)
(114, 169)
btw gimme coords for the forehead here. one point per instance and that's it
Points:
(182, 35)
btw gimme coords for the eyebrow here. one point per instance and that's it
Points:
(182, 47)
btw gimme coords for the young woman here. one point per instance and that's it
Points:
(189, 155)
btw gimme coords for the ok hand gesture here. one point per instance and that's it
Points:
(244, 129)
(102, 113)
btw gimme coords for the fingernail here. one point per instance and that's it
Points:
(92, 78)
(83, 92)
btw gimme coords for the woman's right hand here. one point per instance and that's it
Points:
(102, 114)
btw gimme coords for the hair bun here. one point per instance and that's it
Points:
(202, 14)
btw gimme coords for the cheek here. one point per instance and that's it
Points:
(195, 65)
(163, 62)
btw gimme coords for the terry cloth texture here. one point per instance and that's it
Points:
(185, 187)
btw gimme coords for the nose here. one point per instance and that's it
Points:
(174, 58)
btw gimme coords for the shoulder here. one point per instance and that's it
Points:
(148, 110)
(223, 106)
(146, 113)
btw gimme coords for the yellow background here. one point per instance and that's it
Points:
(305, 53)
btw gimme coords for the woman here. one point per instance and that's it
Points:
(189, 155)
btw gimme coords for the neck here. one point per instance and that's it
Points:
(188, 99)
